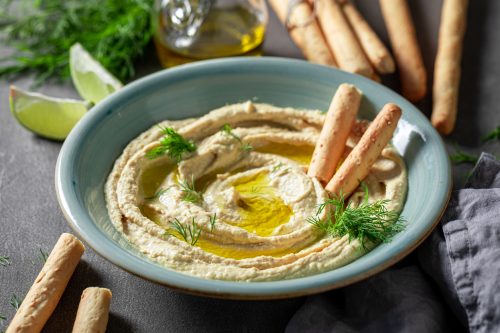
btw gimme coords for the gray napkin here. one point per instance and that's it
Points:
(461, 260)
(463, 256)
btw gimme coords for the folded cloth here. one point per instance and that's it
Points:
(462, 256)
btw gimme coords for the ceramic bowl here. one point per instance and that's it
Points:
(192, 90)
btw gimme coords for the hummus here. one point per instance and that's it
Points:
(255, 197)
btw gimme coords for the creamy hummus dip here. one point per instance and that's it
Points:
(254, 195)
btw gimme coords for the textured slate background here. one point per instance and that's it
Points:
(30, 218)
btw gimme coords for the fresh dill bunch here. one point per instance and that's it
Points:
(367, 222)
(4, 261)
(460, 157)
(190, 233)
(189, 193)
(172, 144)
(213, 220)
(493, 135)
(115, 32)
(15, 301)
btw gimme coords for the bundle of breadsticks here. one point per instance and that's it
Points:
(45, 293)
(329, 149)
(334, 33)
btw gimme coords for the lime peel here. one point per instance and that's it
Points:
(47, 116)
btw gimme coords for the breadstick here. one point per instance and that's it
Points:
(406, 50)
(374, 49)
(93, 311)
(375, 77)
(44, 294)
(306, 34)
(341, 38)
(338, 123)
(358, 163)
(447, 65)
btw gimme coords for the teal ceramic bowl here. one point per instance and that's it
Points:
(192, 90)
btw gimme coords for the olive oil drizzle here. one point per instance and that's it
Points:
(260, 208)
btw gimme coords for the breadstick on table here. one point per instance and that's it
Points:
(338, 123)
(44, 294)
(447, 65)
(375, 77)
(358, 163)
(341, 38)
(93, 311)
(304, 31)
(374, 49)
(406, 50)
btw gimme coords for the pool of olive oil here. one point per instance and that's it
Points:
(227, 31)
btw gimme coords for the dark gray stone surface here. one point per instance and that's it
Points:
(30, 218)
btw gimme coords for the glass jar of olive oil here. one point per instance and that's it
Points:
(190, 30)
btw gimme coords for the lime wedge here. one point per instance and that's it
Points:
(92, 81)
(47, 116)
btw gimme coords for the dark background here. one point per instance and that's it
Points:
(30, 218)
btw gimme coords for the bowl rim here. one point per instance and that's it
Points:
(85, 228)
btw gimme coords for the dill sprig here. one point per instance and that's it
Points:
(277, 167)
(189, 193)
(43, 256)
(493, 135)
(15, 301)
(213, 220)
(115, 32)
(461, 157)
(158, 193)
(226, 128)
(4, 261)
(172, 144)
(367, 222)
(246, 147)
(190, 233)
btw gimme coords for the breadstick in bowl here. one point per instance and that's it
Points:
(358, 163)
(44, 294)
(447, 66)
(93, 311)
(338, 123)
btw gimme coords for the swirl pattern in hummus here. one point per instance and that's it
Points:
(261, 197)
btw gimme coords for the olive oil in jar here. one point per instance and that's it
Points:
(189, 30)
